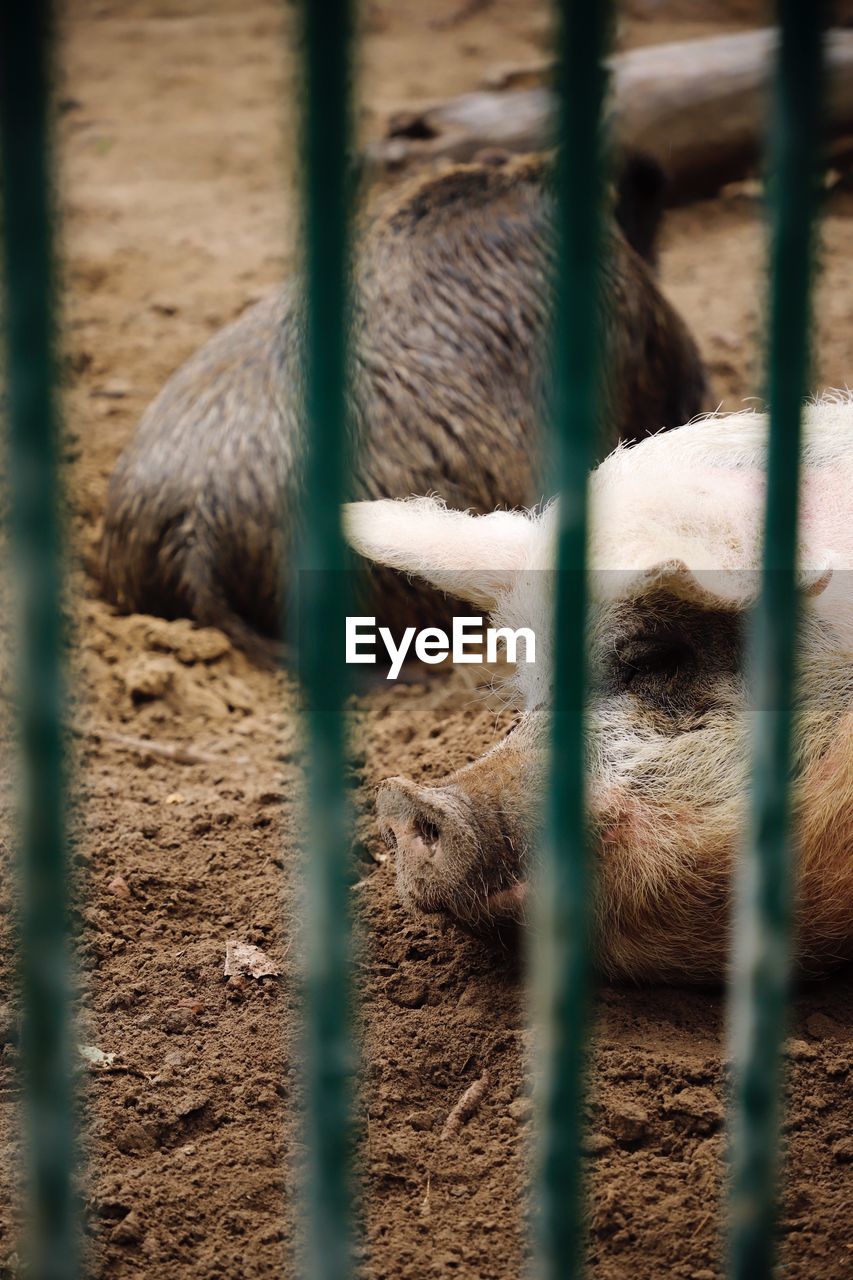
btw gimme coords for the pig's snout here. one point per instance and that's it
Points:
(411, 823)
(456, 851)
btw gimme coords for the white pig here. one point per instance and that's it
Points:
(675, 548)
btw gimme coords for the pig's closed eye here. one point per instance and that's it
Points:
(659, 660)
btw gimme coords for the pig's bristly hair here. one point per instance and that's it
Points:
(679, 515)
(693, 496)
(682, 513)
(696, 495)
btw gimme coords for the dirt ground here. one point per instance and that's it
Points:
(178, 202)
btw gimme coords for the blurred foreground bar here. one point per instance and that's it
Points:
(323, 590)
(37, 634)
(765, 891)
(562, 961)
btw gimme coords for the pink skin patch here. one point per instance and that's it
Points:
(827, 786)
(826, 839)
(618, 816)
(734, 494)
(825, 512)
(824, 508)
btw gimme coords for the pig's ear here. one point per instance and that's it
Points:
(471, 557)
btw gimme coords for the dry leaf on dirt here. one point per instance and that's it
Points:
(243, 958)
(96, 1057)
(467, 1106)
(119, 886)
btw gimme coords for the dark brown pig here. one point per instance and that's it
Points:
(450, 320)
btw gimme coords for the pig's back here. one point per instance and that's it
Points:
(455, 301)
(206, 469)
(452, 305)
(450, 321)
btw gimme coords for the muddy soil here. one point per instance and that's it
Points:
(178, 201)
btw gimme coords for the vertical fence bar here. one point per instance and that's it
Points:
(33, 495)
(323, 588)
(562, 961)
(764, 888)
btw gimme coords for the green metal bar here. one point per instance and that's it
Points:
(561, 973)
(34, 503)
(323, 588)
(764, 890)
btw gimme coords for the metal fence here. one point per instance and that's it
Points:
(764, 893)
(34, 523)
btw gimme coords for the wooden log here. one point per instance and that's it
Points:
(699, 107)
